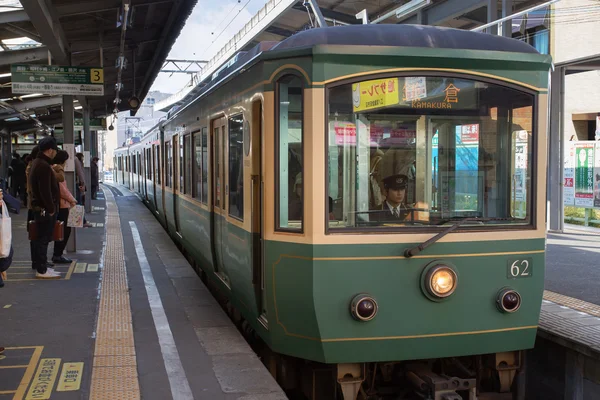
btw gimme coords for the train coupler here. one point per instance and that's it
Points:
(441, 387)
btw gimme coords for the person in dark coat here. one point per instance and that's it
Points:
(94, 174)
(18, 181)
(45, 196)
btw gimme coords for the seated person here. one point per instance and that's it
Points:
(394, 208)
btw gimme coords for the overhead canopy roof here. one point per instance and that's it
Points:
(86, 33)
(280, 19)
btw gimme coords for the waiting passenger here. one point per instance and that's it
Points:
(34, 153)
(67, 201)
(296, 205)
(45, 196)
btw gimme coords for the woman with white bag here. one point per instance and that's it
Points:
(6, 251)
(66, 202)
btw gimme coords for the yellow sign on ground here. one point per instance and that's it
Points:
(70, 377)
(92, 268)
(377, 93)
(43, 382)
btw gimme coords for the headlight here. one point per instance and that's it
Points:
(441, 281)
(363, 307)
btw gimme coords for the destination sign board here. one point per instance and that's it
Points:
(57, 80)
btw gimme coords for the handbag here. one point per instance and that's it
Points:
(5, 231)
(58, 234)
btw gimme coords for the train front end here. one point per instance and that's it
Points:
(421, 234)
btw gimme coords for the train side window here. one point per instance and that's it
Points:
(199, 156)
(180, 164)
(204, 165)
(148, 164)
(158, 176)
(168, 167)
(187, 165)
(236, 166)
(289, 151)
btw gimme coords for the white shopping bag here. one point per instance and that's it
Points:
(5, 232)
(75, 217)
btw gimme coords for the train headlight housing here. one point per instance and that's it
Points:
(363, 307)
(508, 300)
(439, 281)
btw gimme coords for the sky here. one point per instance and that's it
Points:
(211, 25)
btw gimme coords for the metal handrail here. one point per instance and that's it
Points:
(515, 15)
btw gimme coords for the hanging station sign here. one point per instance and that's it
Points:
(57, 80)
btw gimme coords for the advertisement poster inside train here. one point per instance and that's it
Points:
(584, 175)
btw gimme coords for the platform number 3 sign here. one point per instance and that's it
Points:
(96, 75)
(520, 268)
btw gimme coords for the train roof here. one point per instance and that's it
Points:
(402, 35)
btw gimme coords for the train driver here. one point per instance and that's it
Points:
(394, 207)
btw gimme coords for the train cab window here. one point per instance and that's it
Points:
(200, 162)
(425, 150)
(289, 151)
(236, 166)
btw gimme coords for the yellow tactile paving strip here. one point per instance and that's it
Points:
(114, 374)
(572, 302)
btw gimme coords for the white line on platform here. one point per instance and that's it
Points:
(180, 387)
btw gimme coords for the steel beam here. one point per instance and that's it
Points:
(279, 31)
(507, 6)
(556, 151)
(441, 12)
(43, 17)
(24, 56)
(23, 32)
(94, 7)
(334, 15)
(492, 15)
(13, 16)
(68, 122)
(37, 103)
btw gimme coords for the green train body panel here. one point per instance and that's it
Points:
(309, 286)
(311, 297)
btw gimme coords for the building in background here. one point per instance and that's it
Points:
(574, 25)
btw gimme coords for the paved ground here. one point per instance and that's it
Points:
(573, 263)
(130, 319)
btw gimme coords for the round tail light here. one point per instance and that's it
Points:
(363, 307)
(508, 300)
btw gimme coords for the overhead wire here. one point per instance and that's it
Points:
(227, 26)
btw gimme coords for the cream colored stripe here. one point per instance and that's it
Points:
(114, 348)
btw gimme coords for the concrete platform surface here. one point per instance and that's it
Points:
(129, 319)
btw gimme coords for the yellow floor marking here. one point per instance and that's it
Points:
(70, 378)
(43, 383)
(30, 370)
(71, 268)
(13, 366)
(114, 328)
(80, 268)
(7, 391)
(92, 268)
(8, 306)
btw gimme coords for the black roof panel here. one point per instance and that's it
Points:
(404, 35)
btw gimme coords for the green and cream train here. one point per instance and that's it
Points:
(371, 201)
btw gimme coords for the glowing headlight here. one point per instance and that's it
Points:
(441, 281)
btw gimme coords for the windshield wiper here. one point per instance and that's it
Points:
(408, 253)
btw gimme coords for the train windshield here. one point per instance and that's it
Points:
(429, 150)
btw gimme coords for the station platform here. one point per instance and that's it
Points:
(129, 319)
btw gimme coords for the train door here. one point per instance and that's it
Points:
(257, 202)
(218, 221)
(177, 167)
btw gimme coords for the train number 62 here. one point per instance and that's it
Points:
(521, 268)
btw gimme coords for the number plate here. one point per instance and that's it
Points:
(520, 268)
